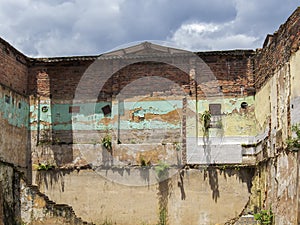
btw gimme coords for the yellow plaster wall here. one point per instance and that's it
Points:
(262, 105)
(295, 74)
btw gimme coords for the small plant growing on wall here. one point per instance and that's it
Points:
(219, 124)
(45, 167)
(265, 217)
(293, 143)
(162, 170)
(162, 217)
(144, 163)
(205, 117)
(177, 146)
(106, 142)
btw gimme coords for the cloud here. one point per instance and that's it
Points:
(210, 36)
(76, 27)
(247, 30)
(49, 28)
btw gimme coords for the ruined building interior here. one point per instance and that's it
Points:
(151, 134)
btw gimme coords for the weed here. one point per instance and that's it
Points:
(205, 117)
(294, 142)
(45, 167)
(162, 217)
(265, 217)
(106, 142)
(162, 170)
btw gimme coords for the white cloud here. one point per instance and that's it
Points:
(209, 36)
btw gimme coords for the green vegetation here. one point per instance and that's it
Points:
(230, 166)
(45, 167)
(219, 124)
(132, 141)
(205, 117)
(162, 217)
(265, 217)
(294, 142)
(177, 146)
(144, 163)
(162, 170)
(106, 142)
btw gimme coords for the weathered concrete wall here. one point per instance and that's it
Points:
(144, 101)
(133, 196)
(10, 212)
(263, 107)
(14, 127)
(276, 184)
(276, 187)
(295, 90)
(158, 136)
(272, 104)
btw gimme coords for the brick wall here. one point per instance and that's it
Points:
(277, 49)
(58, 78)
(13, 68)
(232, 69)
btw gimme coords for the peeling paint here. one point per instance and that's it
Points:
(15, 111)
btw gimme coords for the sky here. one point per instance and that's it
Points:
(48, 28)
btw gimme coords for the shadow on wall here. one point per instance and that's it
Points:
(212, 173)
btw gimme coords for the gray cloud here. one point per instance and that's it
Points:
(76, 27)
(253, 21)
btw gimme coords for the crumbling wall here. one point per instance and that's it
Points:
(276, 188)
(276, 184)
(134, 195)
(277, 50)
(36, 208)
(21, 203)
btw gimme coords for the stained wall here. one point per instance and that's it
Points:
(14, 107)
(277, 76)
(148, 103)
(134, 196)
